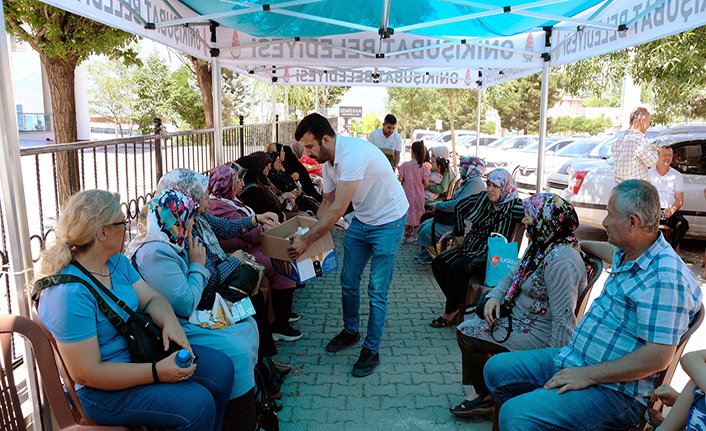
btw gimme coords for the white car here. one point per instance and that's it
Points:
(526, 174)
(510, 157)
(496, 154)
(445, 138)
(466, 146)
(589, 189)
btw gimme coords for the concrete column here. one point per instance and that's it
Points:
(83, 117)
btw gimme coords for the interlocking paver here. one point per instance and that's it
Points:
(417, 380)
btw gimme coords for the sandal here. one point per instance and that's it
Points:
(440, 322)
(476, 407)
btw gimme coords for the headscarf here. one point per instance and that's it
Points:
(472, 166)
(195, 185)
(274, 156)
(503, 179)
(223, 179)
(550, 223)
(164, 219)
(184, 180)
(441, 151)
(249, 163)
(297, 148)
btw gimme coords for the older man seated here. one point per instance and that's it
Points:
(603, 378)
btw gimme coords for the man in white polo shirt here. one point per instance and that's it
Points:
(355, 171)
(670, 186)
(387, 139)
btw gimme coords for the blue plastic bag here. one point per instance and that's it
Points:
(502, 257)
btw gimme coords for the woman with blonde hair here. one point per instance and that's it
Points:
(89, 236)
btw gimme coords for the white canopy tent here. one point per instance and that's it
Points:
(420, 43)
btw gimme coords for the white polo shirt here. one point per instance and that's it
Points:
(393, 142)
(379, 197)
(667, 185)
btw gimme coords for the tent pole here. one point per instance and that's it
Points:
(480, 94)
(542, 126)
(216, 84)
(274, 112)
(14, 211)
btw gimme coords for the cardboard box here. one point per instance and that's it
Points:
(319, 259)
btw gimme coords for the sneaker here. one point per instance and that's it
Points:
(343, 340)
(425, 259)
(294, 317)
(286, 334)
(411, 240)
(366, 363)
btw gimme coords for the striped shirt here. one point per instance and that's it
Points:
(652, 298)
(632, 157)
(485, 220)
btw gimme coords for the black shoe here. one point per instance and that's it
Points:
(286, 334)
(366, 363)
(275, 404)
(343, 340)
(294, 317)
(299, 285)
(476, 407)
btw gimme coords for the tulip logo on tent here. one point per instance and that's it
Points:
(529, 46)
(495, 260)
(468, 77)
(286, 75)
(236, 42)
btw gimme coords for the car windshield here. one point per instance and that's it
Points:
(498, 143)
(577, 148)
(604, 149)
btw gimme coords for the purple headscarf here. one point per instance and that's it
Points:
(222, 181)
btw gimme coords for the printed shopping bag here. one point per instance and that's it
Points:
(502, 257)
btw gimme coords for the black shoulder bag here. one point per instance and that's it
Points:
(479, 309)
(144, 339)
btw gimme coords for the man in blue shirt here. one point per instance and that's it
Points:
(602, 379)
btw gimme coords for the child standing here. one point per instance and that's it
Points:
(414, 176)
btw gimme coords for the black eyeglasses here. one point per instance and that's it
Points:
(124, 224)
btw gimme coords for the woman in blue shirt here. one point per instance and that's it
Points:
(113, 390)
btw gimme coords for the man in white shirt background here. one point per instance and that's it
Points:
(670, 185)
(356, 172)
(387, 139)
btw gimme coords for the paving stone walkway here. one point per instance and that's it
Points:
(419, 375)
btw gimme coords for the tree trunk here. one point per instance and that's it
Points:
(61, 74)
(205, 79)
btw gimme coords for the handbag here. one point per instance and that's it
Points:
(243, 282)
(444, 218)
(144, 339)
(479, 310)
(502, 257)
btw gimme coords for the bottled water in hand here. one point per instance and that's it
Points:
(183, 358)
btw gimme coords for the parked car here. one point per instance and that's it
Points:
(496, 153)
(589, 189)
(421, 134)
(683, 128)
(445, 138)
(526, 174)
(466, 146)
(509, 155)
(558, 180)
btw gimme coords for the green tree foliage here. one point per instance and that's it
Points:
(188, 103)
(409, 105)
(674, 67)
(237, 96)
(356, 128)
(63, 40)
(597, 102)
(155, 93)
(303, 98)
(518, 101)
(110, 92)
(487, 127)
(592, 126)
(369, 123)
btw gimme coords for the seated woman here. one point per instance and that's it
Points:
(259, 193)
(113, 390)
(497, 210)
(225, 184)
(210, 230)
(286, 183)
(542, 291)
(166, 222)
(472, 168)
(293, 154)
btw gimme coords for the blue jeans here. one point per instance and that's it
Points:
(361, 244)
(516, 381)
(187, 405)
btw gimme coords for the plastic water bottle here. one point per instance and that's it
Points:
(183, 358)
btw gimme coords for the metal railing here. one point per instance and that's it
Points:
(129, 166)
(34, 122)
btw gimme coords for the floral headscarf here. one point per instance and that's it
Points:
(472, 166)
(195, 185)
(222, 181)
(165, 219)
(503, 179)
(550, 223)
(184, 180)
